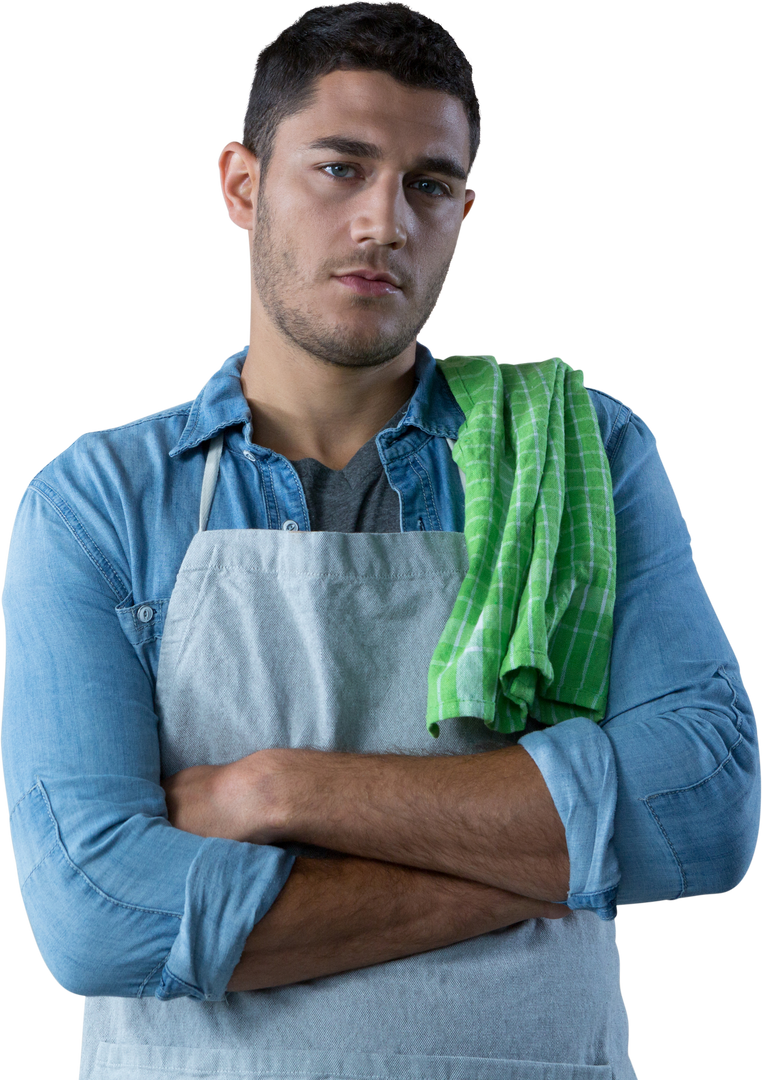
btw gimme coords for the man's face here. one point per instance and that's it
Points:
(369, 180)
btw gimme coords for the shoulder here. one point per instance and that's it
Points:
(626, 437)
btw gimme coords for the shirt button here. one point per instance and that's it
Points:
(145, 613)
(290, 526)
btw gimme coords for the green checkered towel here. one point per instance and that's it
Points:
(530, 633)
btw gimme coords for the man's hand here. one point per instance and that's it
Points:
(233, 801)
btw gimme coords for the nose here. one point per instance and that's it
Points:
(380, 214)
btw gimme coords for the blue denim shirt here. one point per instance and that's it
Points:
(659, 801)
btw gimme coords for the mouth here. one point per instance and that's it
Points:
(369, 283)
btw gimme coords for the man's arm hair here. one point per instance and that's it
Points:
(338, 914)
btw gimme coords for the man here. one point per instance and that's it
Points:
(285, 641)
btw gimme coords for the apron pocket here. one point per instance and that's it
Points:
(123, 1061)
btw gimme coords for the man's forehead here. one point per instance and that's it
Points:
(371, 109)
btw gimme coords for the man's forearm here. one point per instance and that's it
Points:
(339, 914)
(486, 817)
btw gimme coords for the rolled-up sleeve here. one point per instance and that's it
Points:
(120, 902)
(662, 799)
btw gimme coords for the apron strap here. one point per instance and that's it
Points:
(451, 444)
(211, 470)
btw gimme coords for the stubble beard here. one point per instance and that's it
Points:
(279, 283)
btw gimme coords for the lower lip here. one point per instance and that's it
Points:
(364, 287)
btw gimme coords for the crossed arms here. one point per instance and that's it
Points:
(444, 848)
(486, 817)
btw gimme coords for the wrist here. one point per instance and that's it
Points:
(291, 782)
(241, 798)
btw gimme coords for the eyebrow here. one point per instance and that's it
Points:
(445, 166)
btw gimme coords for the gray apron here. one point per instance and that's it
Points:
(319, 639)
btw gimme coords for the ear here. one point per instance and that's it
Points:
(237, 181)
(471, 198)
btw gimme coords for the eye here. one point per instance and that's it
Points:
(441, 186)
(339, 164)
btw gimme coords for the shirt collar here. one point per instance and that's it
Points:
(221, 403)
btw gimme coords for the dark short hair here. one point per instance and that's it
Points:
(414, 50)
